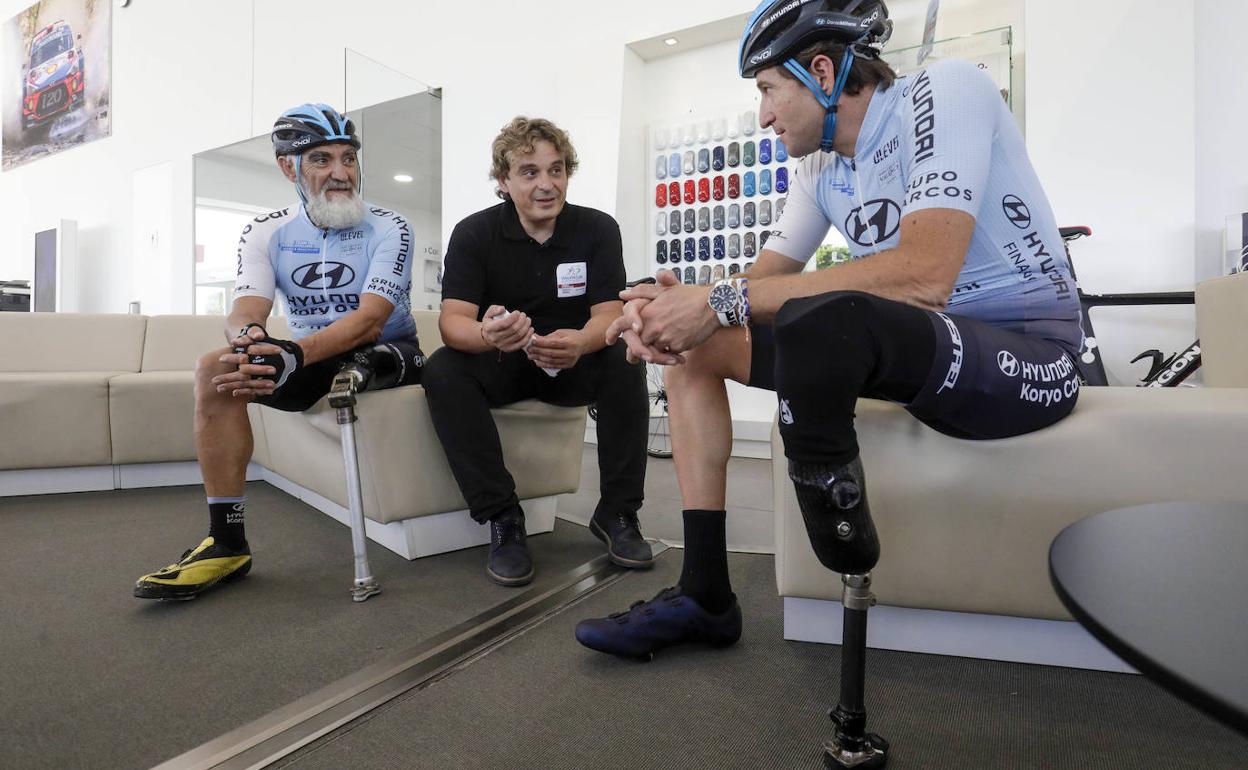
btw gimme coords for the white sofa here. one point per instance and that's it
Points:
(965, 526)
(106, 401)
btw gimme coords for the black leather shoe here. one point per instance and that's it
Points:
(509, 563)
(622, 534)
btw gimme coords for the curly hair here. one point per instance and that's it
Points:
(520, 137)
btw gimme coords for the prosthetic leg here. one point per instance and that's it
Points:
(834, 506)
(373, 368)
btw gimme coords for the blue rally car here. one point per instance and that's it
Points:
(54, 75)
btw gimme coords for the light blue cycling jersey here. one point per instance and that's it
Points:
(322, 273)
(944, 138)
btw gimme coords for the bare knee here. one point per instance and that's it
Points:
(206, 367)
(724, 356)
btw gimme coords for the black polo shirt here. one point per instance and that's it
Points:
(491, 260)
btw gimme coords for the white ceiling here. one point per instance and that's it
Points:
(403, 136)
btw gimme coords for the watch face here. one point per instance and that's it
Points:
(704, 160)
(723, 298)
(764, 151)
(717, 158)
(717, 188)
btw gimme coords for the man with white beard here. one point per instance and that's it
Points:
(344, 268)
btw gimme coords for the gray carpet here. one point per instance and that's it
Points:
(94, 678)
(542, 701)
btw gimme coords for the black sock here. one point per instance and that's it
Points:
(226, 524)
(704, 576)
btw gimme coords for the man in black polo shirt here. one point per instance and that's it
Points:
(529, 288)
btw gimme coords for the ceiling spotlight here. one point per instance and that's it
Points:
(670, 41)
(402, 177)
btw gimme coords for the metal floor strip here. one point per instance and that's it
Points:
(297, 724)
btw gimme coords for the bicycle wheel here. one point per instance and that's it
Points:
(659, 443)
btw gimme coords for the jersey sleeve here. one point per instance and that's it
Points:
(463, 268)
(951, 121)
(802, 227)
(607, 278)
(255, 270)
(390, 266)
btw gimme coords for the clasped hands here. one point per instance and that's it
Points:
(661, 321)
(248, 381)
(509, 332)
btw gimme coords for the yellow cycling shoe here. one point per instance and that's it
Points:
(197, 571)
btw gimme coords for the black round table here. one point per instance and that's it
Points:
(1165, 586)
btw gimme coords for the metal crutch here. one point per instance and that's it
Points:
(342, 397)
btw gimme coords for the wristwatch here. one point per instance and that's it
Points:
(724, 300)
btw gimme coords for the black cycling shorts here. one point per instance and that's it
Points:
(957, 375)
(312, 382)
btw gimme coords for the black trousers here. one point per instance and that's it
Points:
(957, 375)
(461, 388)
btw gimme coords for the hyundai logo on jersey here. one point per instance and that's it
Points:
(334, 275)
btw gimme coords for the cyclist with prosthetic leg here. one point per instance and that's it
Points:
(958, 302)
(344, 268)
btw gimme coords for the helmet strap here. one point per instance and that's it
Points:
(303, 194)
(828, 101)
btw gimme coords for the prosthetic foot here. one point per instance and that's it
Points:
(353, 378)
(833, 502)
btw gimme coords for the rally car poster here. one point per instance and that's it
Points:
(54, 78)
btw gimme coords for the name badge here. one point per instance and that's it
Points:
(570, 279)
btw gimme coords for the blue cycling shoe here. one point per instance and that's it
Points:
(670, 618)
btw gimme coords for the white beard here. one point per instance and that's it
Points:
(337, 213)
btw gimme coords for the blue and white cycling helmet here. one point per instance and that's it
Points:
(311, 125)
(779, 29)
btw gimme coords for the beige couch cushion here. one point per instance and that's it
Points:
(403, 469)
(54, 420)
(1222, 321)
(71, 342)
(175, 342)
(966, 525)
